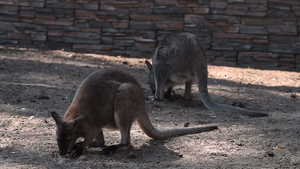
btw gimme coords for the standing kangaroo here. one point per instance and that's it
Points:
(178, 59)
(109, 98)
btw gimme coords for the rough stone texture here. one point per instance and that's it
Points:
(237, 31)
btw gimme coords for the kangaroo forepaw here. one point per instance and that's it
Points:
(76, 145)
(114, 148)
(78, 152)
(109, 150)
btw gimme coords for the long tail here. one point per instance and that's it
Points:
(227, 108)
(163, 133)
(202, 85)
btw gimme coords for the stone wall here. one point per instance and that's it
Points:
(236, 31)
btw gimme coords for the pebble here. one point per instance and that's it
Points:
(132, 155)
(61, 160)
(186, 124)
(294, 95)
(269, 154)
(82, 157)
(151, 98)
(43, 97)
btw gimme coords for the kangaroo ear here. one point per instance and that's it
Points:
(148, 65)
(74, 122)
(79, 119)
(56, 117)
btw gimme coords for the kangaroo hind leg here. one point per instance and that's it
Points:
(187, 91)
(201, 80)
(99, 141)
(124, 117)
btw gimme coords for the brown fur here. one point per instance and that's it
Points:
(178, 59)
(109, 98)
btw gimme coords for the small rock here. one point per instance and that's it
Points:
(132, 155)
(43, 97)
(239, 144)
(61, 160)
(294, 95)
(224, 155)
(46, 121)
(150, 98)
(269, 154)
(82, 157)
(32, 100)
(219, 154)
(176, 154)
(186, 124)
(238, 104)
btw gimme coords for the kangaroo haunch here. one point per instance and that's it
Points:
(108, 98)
(179, 59)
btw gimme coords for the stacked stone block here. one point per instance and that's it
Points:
(234, 31)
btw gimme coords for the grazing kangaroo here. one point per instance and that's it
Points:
(178, 59)
(109, 98)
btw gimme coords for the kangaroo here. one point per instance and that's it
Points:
(109, 98)
(178, 59)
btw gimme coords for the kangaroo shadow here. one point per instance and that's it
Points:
(152, 151)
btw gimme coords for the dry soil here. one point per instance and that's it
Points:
(35, 82)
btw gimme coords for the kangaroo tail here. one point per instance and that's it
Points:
(201, 80)
(156, 133)
(227, 108)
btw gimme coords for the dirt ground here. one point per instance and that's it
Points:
(35, 82)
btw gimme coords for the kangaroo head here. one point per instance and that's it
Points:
(65, 132)
(151, 80)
